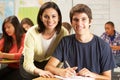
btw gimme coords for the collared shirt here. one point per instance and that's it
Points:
(115, 41)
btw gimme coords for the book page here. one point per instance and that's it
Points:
(75, 78)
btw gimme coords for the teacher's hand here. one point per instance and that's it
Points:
(46, 74)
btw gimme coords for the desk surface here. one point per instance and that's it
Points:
(40, 78)
(3, 61)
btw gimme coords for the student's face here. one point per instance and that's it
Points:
(9, 29)
(80, 23)
(26, 26)
(50, 18)
(109, 29)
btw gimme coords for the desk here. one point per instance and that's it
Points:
(3, 61)
(40, 78)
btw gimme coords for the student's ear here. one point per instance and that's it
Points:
(90, 21)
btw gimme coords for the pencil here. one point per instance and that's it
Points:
(70, 67)
(67, 64)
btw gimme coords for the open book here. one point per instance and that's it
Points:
(75, 78)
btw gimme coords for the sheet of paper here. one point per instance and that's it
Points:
(75, 78)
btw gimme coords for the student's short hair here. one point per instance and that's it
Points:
(27, 21)
(111, 23)
(67, 26)
(81, 8)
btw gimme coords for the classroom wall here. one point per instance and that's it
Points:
(103, 11)
(115, 13)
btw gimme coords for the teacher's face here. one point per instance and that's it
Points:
(50, 18)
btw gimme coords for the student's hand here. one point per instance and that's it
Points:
(68, 72)
(115, 47)
(86, 72)
(1, 55)
(46, 74)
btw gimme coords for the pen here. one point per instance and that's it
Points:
(69, 67)
(67, 64)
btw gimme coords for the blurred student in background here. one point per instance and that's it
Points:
(67, 26)
(112, 37)
(26, 23)
(11, 47)
(41, 41)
